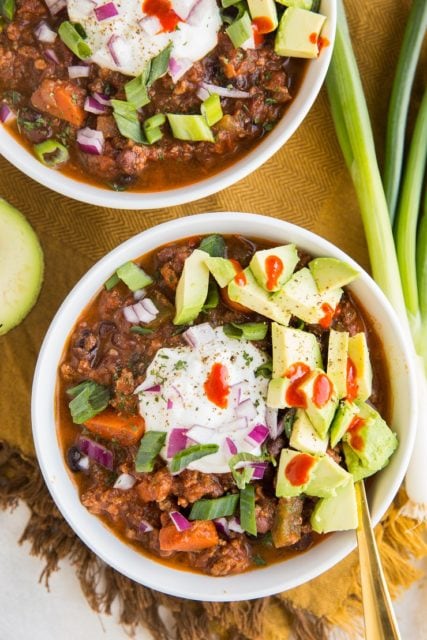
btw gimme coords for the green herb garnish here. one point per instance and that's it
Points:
(149, 448)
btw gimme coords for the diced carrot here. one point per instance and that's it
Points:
(60, 99)
(127, 430)
(201, 535)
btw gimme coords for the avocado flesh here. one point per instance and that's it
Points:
(337, 360)
(223, 270)
(331, 273)
(338, 513)
(264, 9)
(342, 420)
(291, 346)
(192, 288)
(304, 437)
(294, 35)
(21, 267)
(251, 295)
(289, 257)
(358, 353)
(320, 417)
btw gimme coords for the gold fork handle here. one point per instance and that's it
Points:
(380, 621)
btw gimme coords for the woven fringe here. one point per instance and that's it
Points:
(52, 540)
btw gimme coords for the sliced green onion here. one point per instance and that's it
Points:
(212, 299)
(247, 509)
(126, 117)
(112, 281)
(240, 30)
(133, 276)
(71, 37)
(142, 331)
(51, 153)
(399, 101)
(7, 9)
(214, 245)
(211, 109)
(212, 509)
(149, 448)
(193, 128)
(264, 370)
(183, 458)
(244, 475)
(136, 91)
(229, 3)
(155, 121)
(154, 135)
(159, 64)
(246, 330)
(88, 399)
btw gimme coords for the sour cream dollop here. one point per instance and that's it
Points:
(175, 395)
(134, 35)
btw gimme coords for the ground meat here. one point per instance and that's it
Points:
(264, 514)
(190, 486)
(231, 557)
(155, 487)
(121, 507)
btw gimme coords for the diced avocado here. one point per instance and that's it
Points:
(265, 10)
(21, 267)
(299, 297)
(291, 346)
(338, 513)
(302, 4)
(298, 33)
(284, 259)
(133, 276)
(337, 361)
(320, 416)
(358, 353)
(192, 288)
(331, 273)
(246, 291)
(223, 270)
(319, 476)
(276, 394)
(369, 450)
(304, 437)
(342, 420)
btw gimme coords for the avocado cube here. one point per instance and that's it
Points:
(276, 394)
(298, 33)
(223, 270)
(320, 408)
(342, 420)
(192, 288)
(317, 476)
(302, 4)
(338, 513)
(304, 437)
(266, 11)
(337, 361)
(291, 346)
(281, 260)
(246, 291)
(299, 297)
(331, 273)
(284, 487)
(370, 448)
(358, 353)
(326, 478)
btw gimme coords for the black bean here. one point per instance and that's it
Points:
(73, 458)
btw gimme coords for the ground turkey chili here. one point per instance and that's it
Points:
(76, 112)
(169, 413)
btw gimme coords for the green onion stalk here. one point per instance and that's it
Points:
(404, 287)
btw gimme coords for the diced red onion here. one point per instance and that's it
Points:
(145, 526)
(200, 434)
(202, 94)
(222, 526)
(178, 67)
(83, 463)
(169, 404)
(90, 141)
(78, 71)
(231, 445)
(259, 469)
(44, 33)
(151, 25)
(180, 521)
(93, 106)
(198, 335)
(142, 313)
(50, 55)
(257, 435)
(183, 8)
(139, 294)
(149, 306)
(124, 482)
(196, 14)
(130, 315)
(177, 441)
(234, 525)
(275, 427)
(96, 452)
(113, 45)
(224, 92)
(6, 114)
(101, 98)
(55, 6)
(176, 395)
(106, 11)
(237, 392)
(234, 425)
(246, 409)
(156, 388)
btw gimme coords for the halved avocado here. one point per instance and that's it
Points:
(21, 267)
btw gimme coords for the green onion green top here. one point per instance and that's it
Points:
(183, 458)
(149, 448)
(71, 37)
(88, 399)
(212, 509)
(247, 509)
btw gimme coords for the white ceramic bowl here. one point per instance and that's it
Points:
(261, 582)
(102, 196)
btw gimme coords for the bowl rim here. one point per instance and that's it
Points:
(23, 160)
(59, 482)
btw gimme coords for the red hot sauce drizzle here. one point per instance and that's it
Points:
(329, 313)
(162, 10)
(322, 390)
(356, 440)
(352, 386)
(273, 269)
(297, 373)
(216, 385)
(297, 471)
